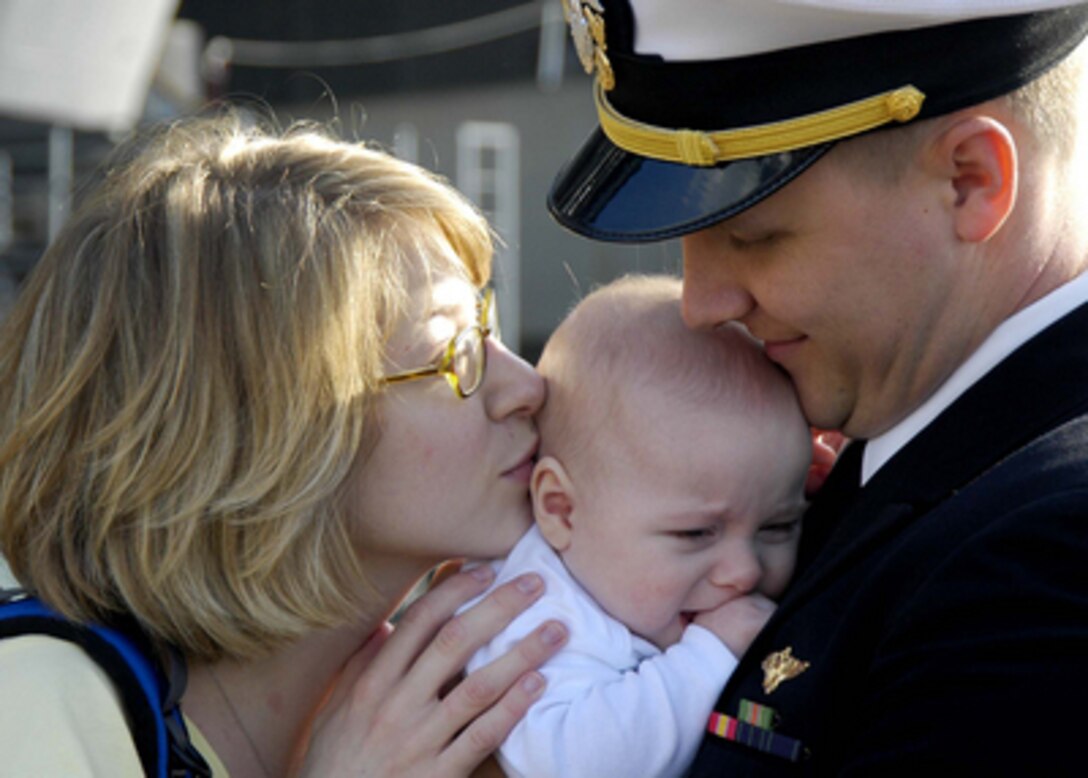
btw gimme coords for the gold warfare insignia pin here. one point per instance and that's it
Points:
(586, 21)
(781, 666)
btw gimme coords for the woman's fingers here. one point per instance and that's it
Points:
(485, 734)
(460, 636)
(495, 696)
(389, 713)
(492, 700)
(393, 718)
(421, 621)
(486, 685)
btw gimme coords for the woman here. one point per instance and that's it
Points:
(214, 422)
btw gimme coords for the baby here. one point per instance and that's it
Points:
(667, 500)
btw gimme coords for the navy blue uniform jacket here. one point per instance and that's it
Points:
(944, 610)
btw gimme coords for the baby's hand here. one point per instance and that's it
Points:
(738, 621)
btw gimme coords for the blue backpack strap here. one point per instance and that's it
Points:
(149, 697)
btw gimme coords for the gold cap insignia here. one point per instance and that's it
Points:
(586, 21)
(781, 666)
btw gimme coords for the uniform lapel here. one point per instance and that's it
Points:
(1036, 388)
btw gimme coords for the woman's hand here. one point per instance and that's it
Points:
(395, 710)
(826, 445)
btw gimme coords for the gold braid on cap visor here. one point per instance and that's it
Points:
(703, 149)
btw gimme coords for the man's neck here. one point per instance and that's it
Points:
(1005, 339)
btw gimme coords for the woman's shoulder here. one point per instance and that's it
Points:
(48, 665)
(59, 712)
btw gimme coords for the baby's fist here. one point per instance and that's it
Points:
(738, 621)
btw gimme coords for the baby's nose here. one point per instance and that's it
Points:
(739, 568)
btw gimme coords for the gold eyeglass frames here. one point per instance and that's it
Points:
(464, 362)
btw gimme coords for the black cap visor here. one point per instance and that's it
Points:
(608, 194)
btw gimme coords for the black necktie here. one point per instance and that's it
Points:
(831, 502)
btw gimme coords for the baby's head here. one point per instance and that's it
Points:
(673, 462)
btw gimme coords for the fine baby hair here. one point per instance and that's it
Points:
(628, 337)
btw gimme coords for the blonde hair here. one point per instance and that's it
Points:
(191, 371)
(628, 337)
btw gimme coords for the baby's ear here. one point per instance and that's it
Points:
(553, 502)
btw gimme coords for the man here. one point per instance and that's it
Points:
(892, 197)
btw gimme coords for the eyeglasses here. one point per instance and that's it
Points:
(464, 361)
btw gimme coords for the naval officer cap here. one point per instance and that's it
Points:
(708, 106)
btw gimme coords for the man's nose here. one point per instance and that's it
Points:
(713, 290)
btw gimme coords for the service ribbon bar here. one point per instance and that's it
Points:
(757, 715)
(729, 728)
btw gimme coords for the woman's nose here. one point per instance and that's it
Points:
(512, 387)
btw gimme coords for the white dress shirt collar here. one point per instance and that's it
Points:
(1005, 339)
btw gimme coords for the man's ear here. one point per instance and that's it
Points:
(977, 155)
(553, 502)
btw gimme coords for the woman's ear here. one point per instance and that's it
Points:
(977, 155)
(553, 502)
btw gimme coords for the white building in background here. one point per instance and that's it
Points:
(501, 141)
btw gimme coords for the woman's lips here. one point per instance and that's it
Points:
(521, 473)
(523, 470)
